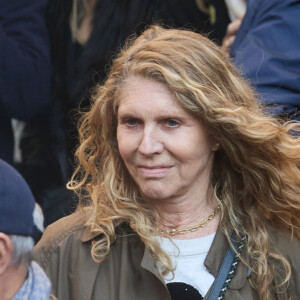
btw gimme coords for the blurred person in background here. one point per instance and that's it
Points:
(21, 225)
(85, 35)
(24, 66)
(189, 190)
(264, 45)
(236, 10)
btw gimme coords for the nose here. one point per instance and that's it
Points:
(150, 143)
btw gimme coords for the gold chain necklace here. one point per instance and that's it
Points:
(202, 224)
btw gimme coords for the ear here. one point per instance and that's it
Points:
(6, 249)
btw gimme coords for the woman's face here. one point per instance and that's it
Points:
(167, 151)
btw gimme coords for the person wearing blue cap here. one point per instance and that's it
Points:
(20, 227)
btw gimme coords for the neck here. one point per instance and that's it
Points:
(11, 281)
(187, 211)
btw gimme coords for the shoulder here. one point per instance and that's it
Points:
(289, 246)
(28, 8)
(66, 258)
(266, 8)
(285, 243)
(59, 234)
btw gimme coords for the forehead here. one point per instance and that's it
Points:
(147, 95)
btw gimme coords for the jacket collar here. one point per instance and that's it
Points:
(88, 235)
(215, 257)
(212, 262)
(149, 263)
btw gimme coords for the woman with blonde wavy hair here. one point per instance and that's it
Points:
(189, 190)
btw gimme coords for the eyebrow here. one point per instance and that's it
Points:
(132, 115)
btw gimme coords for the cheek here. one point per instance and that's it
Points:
(125, 147)
(121, 146)
(195, 151)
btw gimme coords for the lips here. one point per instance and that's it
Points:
(151, 171)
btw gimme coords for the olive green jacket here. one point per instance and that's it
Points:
(129, 272)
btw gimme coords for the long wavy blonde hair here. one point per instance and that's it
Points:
(255, 172)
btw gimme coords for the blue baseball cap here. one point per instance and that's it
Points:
(16, 203)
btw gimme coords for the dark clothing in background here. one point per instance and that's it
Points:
(267, 50)
(24, 66)
(78, 68)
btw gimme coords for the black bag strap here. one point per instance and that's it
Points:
(227, 269)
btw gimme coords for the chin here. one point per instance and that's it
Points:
(154, 193)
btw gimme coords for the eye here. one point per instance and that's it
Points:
(131, 122)
(172, 123)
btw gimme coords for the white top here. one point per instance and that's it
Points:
(188, 260)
